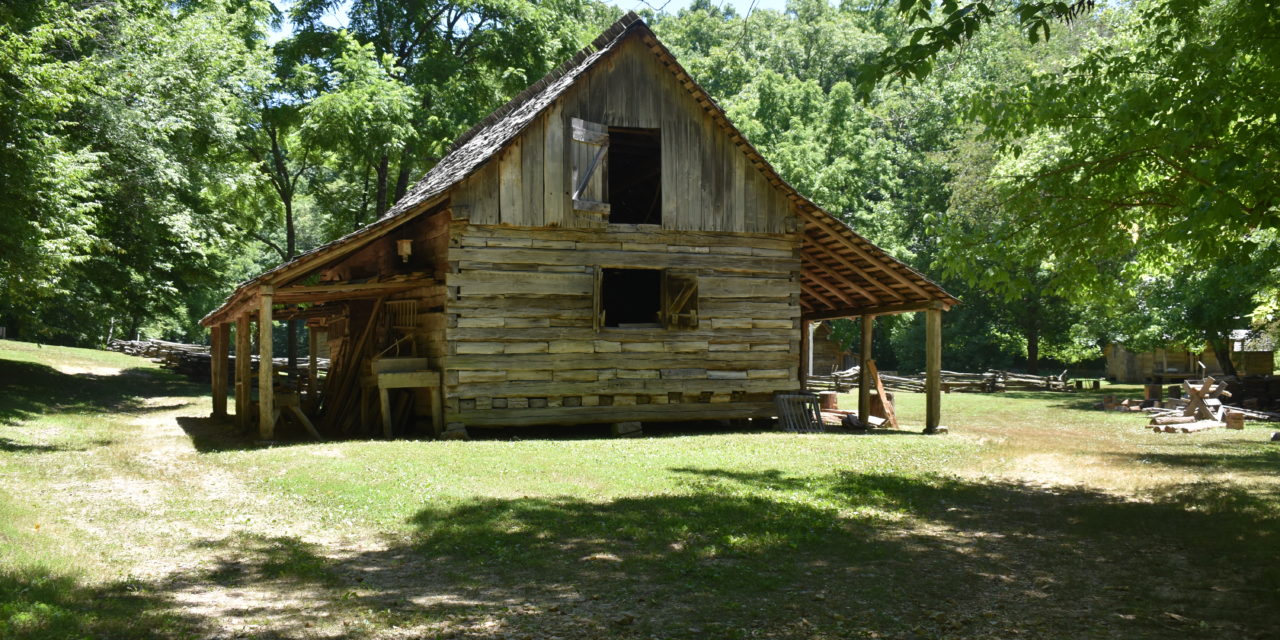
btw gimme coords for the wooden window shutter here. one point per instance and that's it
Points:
(679, 300)
(590, 157)
(597, 302)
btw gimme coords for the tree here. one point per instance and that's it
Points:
(1159, 140)
(365, 115)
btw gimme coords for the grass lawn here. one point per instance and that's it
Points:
(126, 513)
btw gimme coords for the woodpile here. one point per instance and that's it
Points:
(991, 381)
(191, 360)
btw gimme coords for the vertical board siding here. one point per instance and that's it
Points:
(531, 175)
(554, 176)
(708, 183)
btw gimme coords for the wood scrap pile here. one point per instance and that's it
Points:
(1203, 409)
(191, 360)
(991, 381)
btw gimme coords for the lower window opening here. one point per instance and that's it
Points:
(631, 297)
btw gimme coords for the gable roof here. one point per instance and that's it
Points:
(848, 260)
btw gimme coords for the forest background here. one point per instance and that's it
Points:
(1076, 173)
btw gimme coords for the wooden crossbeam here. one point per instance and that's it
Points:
(816, 263)
(835, 291)
(848, 264)
(883, 264)
(817, 296)
(882, 310)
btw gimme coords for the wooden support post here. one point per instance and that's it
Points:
(266, 391)
(933, 369)
(313, 369)
(244, 366)
(864, 377)
(806, 351)
(218, 368)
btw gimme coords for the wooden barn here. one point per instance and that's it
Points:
(605, 248)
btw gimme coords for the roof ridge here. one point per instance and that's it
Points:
(615, 30)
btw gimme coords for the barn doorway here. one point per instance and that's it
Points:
(635, 176)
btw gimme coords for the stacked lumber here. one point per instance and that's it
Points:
(990, 381)
(191, 360)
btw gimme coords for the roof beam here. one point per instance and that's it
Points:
(855, 268)
(833, 289)
(815, 262)
(884, 310)
(884, 265)
(817, 296)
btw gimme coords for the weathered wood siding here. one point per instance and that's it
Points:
(708, 183)
(522, 348)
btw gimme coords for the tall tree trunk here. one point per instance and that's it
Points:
(291, 249)
(380, 200)
(1031, 332)
(402, 177)
(1033, 351)
(1222, 350)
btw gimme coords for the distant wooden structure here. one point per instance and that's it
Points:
(1251, 353)
(605, 248)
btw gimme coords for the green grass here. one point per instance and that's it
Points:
(128, 514)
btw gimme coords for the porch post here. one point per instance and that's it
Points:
(933, 369)
(806, 351)
(312, 366)
(244, 368)
(864, 365)
(266, 392)
(218, 368)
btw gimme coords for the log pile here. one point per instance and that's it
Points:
(991, 381)
(191, 360)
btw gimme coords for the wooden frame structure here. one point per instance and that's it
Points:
(501, 248)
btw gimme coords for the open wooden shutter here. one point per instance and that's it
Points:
(679, 300)
(590, 154)
(597, 301)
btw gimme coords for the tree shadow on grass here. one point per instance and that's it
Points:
(32, 390)
(764, 554)
(1238, 456)
(732, 554)
(36, 604)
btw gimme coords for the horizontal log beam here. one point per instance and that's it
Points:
(883, 310)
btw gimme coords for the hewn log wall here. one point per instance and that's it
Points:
(523, 350)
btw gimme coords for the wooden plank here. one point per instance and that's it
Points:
(522, 283)
(548, 361)
(590, 384)
(244, 362)
(479, 234)
(266, 388)
(885, 264)
(933, 369)
(218, 352)
(636, 259)
(595, 414)
(747, 336)
(511, 193)
(736, 165)
(890, 414)
(479, 193)
(817, 268)
(555, 180)
(532, 149)
(745, 287)
(864, 360)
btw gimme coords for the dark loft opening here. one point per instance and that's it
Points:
(631, 297)
(635, 176)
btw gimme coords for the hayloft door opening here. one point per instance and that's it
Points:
(635, 176)
(631, 298)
